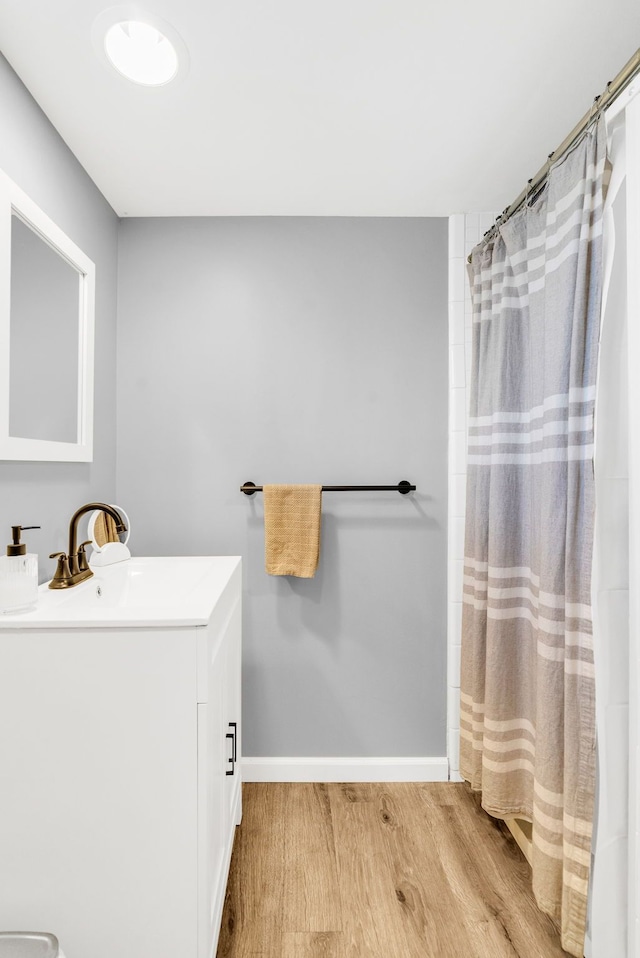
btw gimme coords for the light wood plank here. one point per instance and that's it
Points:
(354, 791)
(429, 907)
(311, 898)
(315, 944)
(252, 916)
(373, 924)
(483, 922)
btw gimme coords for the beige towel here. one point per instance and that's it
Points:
(292, 529)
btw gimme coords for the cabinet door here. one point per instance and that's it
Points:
(211, 811)
(98, 813)
(233, 720)
(218, 764)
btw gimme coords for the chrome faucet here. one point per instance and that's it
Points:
(73, 567)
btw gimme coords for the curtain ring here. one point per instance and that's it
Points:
(593, 112)
(527, 194)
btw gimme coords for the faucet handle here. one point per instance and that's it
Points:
(83, 565)
(62, 573)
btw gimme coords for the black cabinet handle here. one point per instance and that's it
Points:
(234, 726)
(233, 759)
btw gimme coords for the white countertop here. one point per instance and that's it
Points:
(152, 591)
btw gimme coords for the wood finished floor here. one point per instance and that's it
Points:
(378, 871)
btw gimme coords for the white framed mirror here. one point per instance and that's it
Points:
(47, 306)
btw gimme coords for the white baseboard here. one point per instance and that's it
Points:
(283, 769)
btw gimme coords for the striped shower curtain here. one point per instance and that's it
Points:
(527, 677)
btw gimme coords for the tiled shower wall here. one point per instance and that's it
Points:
(465, 230)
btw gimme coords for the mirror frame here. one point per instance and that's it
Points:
(13, 200)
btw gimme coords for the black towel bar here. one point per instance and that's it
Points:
(403, 487)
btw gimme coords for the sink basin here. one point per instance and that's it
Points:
(139, 582)
(163, 590)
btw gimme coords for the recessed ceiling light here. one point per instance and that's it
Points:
(139, 46)
(141, 52)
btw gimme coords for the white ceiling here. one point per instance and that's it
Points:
(340, 108)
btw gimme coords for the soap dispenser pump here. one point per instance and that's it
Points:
(18, 575)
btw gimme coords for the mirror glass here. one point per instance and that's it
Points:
(44, 339)
(47, 304)
(102, 528)
(109, 547)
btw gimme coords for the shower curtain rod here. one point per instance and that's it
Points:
(613, 89)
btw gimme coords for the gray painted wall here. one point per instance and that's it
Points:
(278, 350)
(299, 350)
(33, 154)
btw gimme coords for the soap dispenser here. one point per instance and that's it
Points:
(18, 575)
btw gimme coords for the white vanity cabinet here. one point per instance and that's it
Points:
(120, 783)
